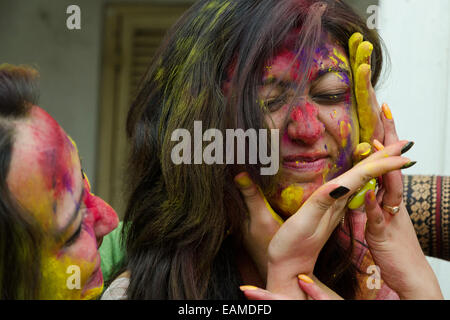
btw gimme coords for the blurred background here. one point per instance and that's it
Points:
(88, 76)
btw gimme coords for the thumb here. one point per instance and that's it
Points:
(257, 204)
(311, 288)
(362, 151)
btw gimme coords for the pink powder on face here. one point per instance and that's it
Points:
(55, 162)
(102, 218)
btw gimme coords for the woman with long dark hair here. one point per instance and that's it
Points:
(50, 223)
(200, 230)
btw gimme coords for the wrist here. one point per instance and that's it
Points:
(422, 290)
(281, 279)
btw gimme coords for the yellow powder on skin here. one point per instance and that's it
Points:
(55, 278)
(275, 216)
(342, 58)
(291, 199)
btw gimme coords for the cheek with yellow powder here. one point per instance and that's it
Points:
(63, 278)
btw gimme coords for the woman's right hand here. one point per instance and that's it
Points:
(296, 245)
(314, 289)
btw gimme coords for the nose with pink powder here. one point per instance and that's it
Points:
(305, 124)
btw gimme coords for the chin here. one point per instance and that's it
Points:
(94, 285)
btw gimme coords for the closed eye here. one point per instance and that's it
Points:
(330, 99)
(74, 237)
(275, 103)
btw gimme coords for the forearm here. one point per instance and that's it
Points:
(422, 286)
(417, 281)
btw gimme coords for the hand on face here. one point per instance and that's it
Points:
(368, 108)
(46, 178)
(297, 243)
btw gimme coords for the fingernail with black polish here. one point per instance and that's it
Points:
(407, 147)
(409, 165)
(339, 192)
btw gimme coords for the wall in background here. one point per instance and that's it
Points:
(35, 33)
(417, 36)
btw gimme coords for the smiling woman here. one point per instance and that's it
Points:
(50, 223)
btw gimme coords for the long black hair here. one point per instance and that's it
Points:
(20, 234)
(179, 218)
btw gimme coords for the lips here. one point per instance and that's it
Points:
(306, 162)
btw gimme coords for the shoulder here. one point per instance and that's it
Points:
(118, 288)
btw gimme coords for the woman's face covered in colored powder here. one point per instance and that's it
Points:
(47, 180)
(322, 129)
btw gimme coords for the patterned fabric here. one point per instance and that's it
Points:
(427, 199)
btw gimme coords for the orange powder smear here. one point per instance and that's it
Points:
(346, 129)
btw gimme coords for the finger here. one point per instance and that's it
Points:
(375, 217)
(358, 176)
(390, 133)
(392, 181)
(362, 151)
(355, 40)
(348, 183)
(255, 293)
(393, 184)
(312, 289)
(359, 198)
(384, 152)
(318, 204)
(257, 205)
(368, 110)
(364, 53)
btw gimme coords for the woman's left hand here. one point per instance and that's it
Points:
(391, 236)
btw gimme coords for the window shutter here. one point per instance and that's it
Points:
(132, 35)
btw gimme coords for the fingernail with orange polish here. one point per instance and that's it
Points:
(378, 145)
(387, 111)
(247, 288)
(305, 278)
